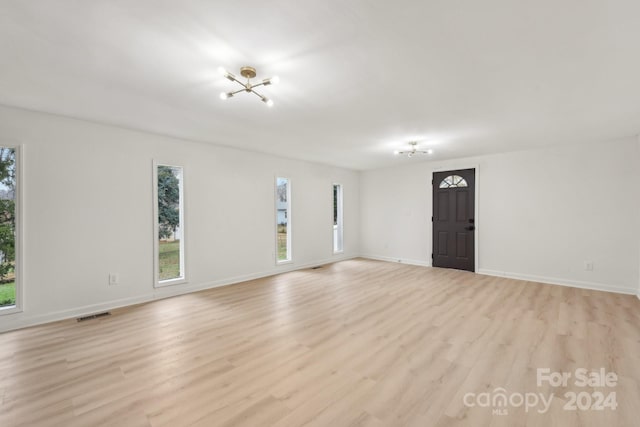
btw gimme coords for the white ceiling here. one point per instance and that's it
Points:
(358, 78)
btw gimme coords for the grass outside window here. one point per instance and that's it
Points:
(8, 294)
(169, 257)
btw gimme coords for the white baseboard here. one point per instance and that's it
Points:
(155, 294)
(561, 282)
(26, 321)
(530, 278)
(399, 260)
(171, 291)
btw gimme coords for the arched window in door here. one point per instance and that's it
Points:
(453, 181)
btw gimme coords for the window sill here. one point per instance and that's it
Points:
(288, 261)
(10, 310)
(171, 282)
(338, 252)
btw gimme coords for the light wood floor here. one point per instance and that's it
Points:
(356, 343)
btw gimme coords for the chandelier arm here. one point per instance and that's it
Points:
(231, 77)
(262, 97)
(257, 84)
(238, 91)
(238, 81)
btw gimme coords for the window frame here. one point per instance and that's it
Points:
(289, 216)
(157, 283)
(461, 183)
(19, 242)
(339, 226)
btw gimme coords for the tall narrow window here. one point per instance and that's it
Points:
(9, 289)
(169, 216)
(338, 244)
(283, 220)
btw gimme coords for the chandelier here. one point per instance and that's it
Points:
(248, 73)
(413, 150)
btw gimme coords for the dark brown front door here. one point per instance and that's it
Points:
(453, 219)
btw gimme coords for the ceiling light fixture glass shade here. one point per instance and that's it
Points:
(248, 73)
(413, 150)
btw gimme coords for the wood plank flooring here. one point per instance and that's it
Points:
(356, 343)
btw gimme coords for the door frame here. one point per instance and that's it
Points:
(476, 235)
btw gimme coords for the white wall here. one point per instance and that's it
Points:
(542, 213)
(88, 212)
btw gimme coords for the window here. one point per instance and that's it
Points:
(169, 225)
(283, 220)
(337, 218)
(10, 289)
(453, 181)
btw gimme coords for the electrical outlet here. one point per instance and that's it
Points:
(114, 279)
(588, 265)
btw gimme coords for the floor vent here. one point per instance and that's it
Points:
(93, 316)
(316, 267)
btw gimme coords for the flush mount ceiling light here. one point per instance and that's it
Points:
(248, 73)
(413, 150)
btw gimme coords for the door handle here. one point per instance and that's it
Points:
(470, 228)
